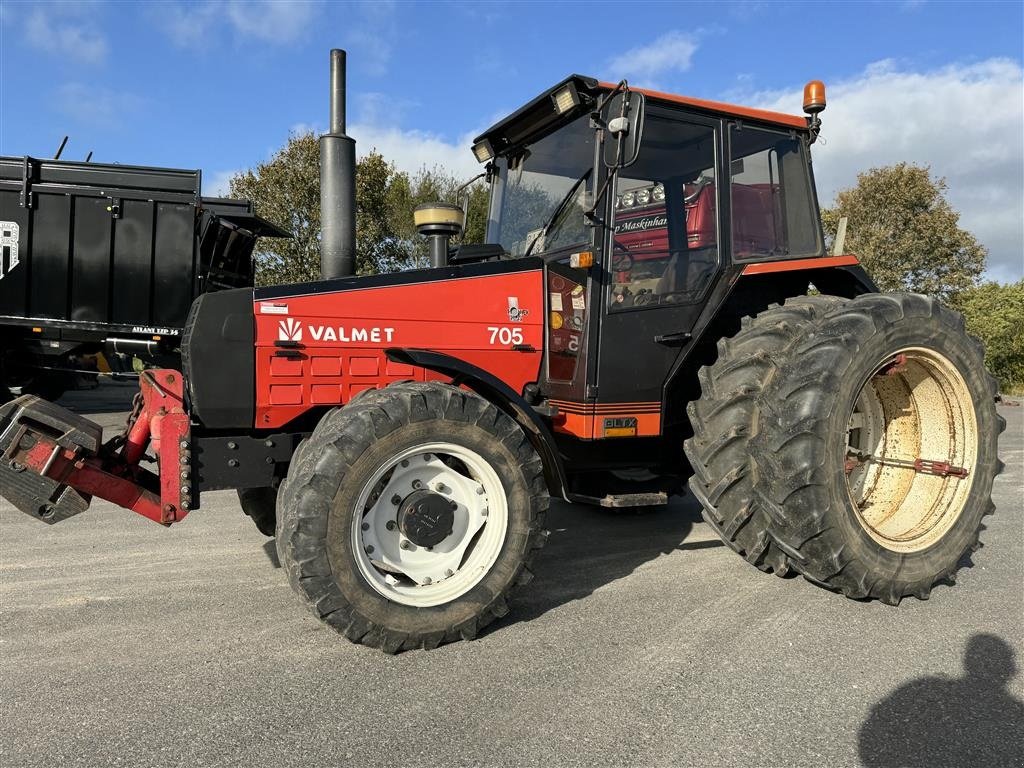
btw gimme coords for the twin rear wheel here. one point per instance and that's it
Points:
(410, 515)
(851, 441)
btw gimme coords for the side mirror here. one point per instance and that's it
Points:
(624, 116)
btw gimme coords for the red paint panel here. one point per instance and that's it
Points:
(364, 366)
(325, 366)
(325, 394)
(819, 262)
(285, 394)
(285, 366)
(399, 369)
(349, 331)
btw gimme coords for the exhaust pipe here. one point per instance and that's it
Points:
(337, 184)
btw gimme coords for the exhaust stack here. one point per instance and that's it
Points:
(337, 184)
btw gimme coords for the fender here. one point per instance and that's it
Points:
(833, 275)
(501, 394)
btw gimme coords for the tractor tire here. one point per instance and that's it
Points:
(410, 515)
(724, 420)
(877, 448)
(261, 505)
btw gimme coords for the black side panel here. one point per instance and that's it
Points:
(50, 247)
(218, 358)
(90, 269)
(174, 267)
(133, 263)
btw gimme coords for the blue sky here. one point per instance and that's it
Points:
(218, 85)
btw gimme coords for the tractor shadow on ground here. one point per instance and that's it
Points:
(943, 721)
(589, 547)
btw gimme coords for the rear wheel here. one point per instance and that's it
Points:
(410, 515)
(260, 504)
(725, 418)
(878, 448)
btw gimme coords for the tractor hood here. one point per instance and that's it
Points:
(265, 358)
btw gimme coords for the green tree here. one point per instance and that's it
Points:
(995, 313)
(379, 236)
(906, 233)
(286, 190)
(430, 185)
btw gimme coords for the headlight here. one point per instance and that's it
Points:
(556, 321)
(643, 196)
(627, 200)
(659, 193)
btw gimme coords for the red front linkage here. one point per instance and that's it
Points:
(160, 422)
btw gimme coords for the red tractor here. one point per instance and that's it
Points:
(654, 304)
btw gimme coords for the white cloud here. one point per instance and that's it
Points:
(409, 149)
(218, 183)
(52, 30)
(95, 105)
(412, 150)
(672, 52)
(965, 121)
(271, 21)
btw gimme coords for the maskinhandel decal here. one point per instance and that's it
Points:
(642, 224)
(8, 247)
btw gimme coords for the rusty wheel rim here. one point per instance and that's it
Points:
(911, 449)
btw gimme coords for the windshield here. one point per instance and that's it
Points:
(530, 186)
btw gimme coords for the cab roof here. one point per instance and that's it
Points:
(539, 117)
(720, 107)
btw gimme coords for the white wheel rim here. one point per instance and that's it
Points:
(915, 406)
(420, 576)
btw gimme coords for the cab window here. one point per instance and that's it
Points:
(773, 213)
(665, 245)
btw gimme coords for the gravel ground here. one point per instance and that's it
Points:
(642, 641)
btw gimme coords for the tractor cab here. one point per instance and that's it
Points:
(646, 209)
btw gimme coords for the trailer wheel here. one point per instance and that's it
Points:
(409, 516)
(878, 448)
(260, 504)
(725, 418)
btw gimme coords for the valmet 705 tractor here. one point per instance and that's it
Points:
(654, 303)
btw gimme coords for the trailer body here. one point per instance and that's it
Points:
(97, 255)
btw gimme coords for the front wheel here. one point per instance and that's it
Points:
(410, 515)
(878, 448)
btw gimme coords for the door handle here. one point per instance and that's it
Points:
(678, 339)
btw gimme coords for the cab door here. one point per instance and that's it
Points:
(663, 257)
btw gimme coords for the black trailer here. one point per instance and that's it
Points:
(108, 257)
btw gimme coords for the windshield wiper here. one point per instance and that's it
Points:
(558, 210)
